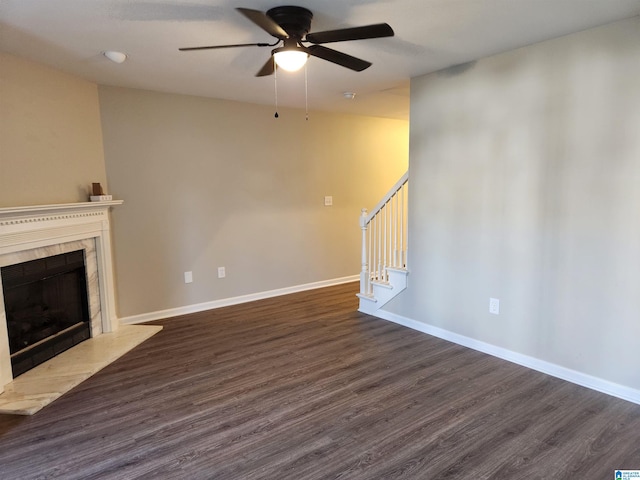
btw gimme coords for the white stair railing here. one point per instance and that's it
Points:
(384, 237)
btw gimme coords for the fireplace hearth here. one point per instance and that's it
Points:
(47, 308)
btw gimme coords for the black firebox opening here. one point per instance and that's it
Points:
(47, 308)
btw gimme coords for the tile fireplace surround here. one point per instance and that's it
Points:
(31, 232)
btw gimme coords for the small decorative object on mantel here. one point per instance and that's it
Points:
(98, 194)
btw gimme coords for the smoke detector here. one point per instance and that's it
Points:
(116, 57)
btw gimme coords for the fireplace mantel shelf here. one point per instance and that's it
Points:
(7, 213)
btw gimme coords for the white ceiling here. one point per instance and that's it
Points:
(430, 35)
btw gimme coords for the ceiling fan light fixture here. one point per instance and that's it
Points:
(290, 25)
(289, 59)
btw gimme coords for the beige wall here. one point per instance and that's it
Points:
(210, 183)
(50, 135)
(525, 186)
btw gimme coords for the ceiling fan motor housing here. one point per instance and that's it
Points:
(296, 21)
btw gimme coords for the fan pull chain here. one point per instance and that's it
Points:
(275, 82)
(306, 93)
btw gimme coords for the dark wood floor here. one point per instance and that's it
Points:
(305, 387)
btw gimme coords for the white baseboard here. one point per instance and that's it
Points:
(225, 302)
(573, 376)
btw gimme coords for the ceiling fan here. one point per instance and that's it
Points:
(290, 25)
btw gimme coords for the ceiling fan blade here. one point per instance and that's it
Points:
(212, 47)
(264, 22)
(338, 58)
(378, 30)
(268, 68)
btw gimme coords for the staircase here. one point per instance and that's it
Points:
(384, 249)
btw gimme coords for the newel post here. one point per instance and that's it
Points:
(364, 273)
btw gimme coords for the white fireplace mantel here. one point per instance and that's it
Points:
(22, 228)
(28, 228)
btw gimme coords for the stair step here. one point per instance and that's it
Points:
(397, 269)
(364, 296)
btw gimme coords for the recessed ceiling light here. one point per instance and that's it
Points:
(116, 57)
(349, 95)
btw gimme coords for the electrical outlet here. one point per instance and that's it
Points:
(188, 277)
(221, 272)
(328, 201)
(494, 306)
